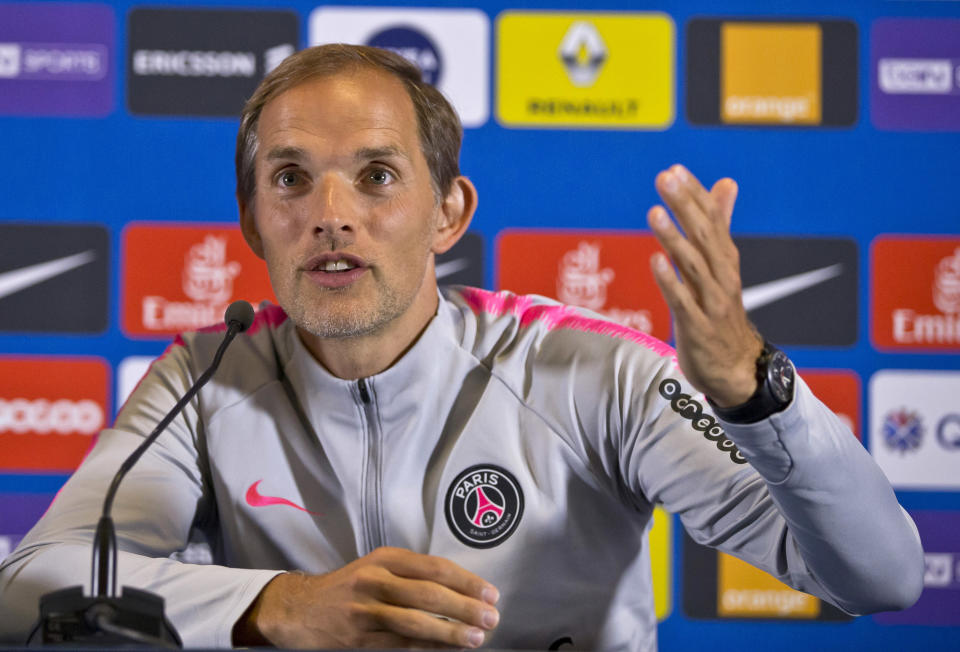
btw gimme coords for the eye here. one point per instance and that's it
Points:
(288, 178)
(379, 176)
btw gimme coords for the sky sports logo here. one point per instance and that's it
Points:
(203, 62)
(449, 46)
(50, 411)
(789, 72)
(56, 59)
(915, 74)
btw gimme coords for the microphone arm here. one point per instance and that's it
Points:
(135, 617)
(104, 580)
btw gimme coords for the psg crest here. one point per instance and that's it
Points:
(484, 505)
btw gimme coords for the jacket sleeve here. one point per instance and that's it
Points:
(797, 496)
(156, 509)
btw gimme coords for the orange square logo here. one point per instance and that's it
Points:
(604, 272)
(915, 293)
(182, 277)
(839, 389)
(50, 411)
(745, 591)
(770, 73)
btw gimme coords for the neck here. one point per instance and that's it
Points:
(351, 358)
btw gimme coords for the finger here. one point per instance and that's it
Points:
(692, 184)
(725, 193)
(415, 624)
(688, 211)
(438, 599)
(694, 269)
(681, 302)
(412, 565)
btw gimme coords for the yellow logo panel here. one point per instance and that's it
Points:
(661, 554)
(598, 70)
(771, 73)
(745, 591)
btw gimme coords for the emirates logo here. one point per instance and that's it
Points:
(484, 505)
(946, 284)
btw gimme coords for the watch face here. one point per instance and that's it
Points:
(780, 376)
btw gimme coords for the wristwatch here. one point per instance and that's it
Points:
(775, 386)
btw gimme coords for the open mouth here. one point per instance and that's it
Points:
(341, 265)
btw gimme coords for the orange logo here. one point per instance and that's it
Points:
(604, 272)
(50, 410)
(839, 389)
(183, 277)
(915, 293)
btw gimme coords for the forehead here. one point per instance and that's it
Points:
(355, 105)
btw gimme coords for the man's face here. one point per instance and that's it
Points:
(344, 209)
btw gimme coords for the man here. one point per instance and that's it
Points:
(455, 468)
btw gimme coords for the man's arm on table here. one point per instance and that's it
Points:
(844, 537)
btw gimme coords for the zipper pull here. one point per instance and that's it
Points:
(364, 394)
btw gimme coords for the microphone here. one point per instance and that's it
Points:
(136, 617)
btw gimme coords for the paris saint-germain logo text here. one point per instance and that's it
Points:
(690, 408)
(484, 505)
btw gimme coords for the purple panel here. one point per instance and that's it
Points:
(914, 68)
(19, 512)
(939, 604)
(57, 59)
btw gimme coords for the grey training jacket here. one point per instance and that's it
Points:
(525, 440)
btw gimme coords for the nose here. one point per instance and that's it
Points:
(333, 213)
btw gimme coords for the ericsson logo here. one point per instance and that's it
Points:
(583, 53)
(40, 416)
(414, 46)
(203, 61)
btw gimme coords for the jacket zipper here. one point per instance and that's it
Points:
(371, 499)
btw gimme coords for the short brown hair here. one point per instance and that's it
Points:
(437, 122)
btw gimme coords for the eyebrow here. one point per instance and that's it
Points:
(292, 153)
(287, 152)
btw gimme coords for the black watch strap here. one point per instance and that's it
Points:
(775, 387)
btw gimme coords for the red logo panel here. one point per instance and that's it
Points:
(50, 411)
(182, 277)
(605, 272)
(839, 389)
(915, 293)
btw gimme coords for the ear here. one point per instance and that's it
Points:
(248, 225)
(456, 211)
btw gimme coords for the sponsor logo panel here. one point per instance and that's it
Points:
(56, 59)
(771, 73)
(604, 272)
(939, 604)
(463, 264)
(130, 372)
(801, 291)
(915, 428)
(53, 278)
(161, 297)
(839, 389)
(601, 70)
(915, 74)
(203, 62)
(18, 513)
(718, 586)
(915, 293)
(50, 411)
(450, 46)
(661, 556)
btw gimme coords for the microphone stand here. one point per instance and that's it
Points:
(135, 617)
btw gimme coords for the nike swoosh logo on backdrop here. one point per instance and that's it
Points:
(256, 499)
(450, 267)
(14, 280)
(764, 294)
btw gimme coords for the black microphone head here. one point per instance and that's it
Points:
(240, 312)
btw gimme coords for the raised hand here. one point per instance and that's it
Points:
(717, 347)
(391, 598)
